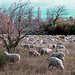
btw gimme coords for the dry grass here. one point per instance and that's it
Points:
(38, 65)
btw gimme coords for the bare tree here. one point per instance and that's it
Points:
(55, 13)
(13, 25)
(48, 15)
(39, 14)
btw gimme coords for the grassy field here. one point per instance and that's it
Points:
(31, 65)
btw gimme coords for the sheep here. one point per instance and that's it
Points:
(62, 48)
(51, 46)
(12, 57)
(59, 55)
(45, 51)
(32, 45)
(73, 72)
(64, 40)
(54, 45)
(26, 46)
(34, 53)
(54, 61)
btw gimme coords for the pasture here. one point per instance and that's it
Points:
(37, 65)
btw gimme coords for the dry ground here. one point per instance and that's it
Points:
(31, 65)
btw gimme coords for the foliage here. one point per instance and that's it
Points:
(72, 29)
(63, 29)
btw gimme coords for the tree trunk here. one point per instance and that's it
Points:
(11, 50)
(55, 19)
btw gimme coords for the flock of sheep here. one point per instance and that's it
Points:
(56, 58)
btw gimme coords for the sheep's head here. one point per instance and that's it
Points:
(62, 68)
(38, 54)
(54, 46)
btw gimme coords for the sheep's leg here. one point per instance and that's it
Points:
(45, 52)
(48, 54)
(63, 59)
(12, 60)
(37, 54)
(34, 54)
(61, 68)
(18, 61)
(49, 66)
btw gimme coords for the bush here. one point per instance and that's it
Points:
(62, 29)
(50, 29)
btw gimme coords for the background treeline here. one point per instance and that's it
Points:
(62, 29)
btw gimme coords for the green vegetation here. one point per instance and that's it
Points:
(62, 29)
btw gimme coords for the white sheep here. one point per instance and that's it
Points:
(12, 57)
(54, 61)
(34, 53)
(59, 55)
(45, 51)
(26, 46)
(32, 45)
(51, 46)
(62, 48)
(73, 72)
